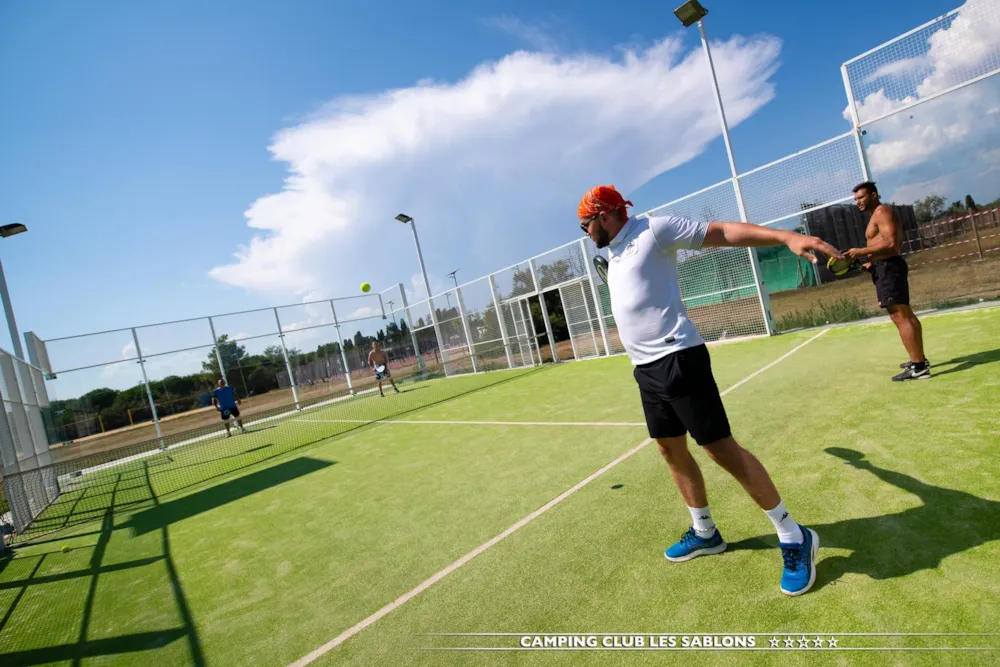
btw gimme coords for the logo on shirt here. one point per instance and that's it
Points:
(630, 249)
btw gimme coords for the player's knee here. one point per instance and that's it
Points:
(726, 452)
(673, 450)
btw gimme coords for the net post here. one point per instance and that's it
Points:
(149, 391)
(503, 325)
(381, 305)
(409, 325)
(597, 296)
(343, 355)
(218, 354)
(545, 313)
(465, 327)
(288, 364)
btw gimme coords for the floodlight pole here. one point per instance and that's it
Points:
(15, 338)
(765, 302)
(427, 286)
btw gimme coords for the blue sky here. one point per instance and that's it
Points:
(137, 136)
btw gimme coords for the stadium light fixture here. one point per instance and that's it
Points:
(15, 339)
(690, 13)
(403, 218)
(452, 276)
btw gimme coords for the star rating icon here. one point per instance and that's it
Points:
(803, 642)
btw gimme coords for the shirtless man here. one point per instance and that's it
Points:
(377, 357)
(889, 273)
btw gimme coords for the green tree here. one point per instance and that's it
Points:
(929, 208)
(99, 399)
(230, 351)
(970, 204)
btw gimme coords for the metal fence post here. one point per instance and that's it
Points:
(500, 320)
(975, 231)
(218, 354)
(409, 324)
(545, 313)
(465, 327)
(288, 364)
(343, 355)
(597, 297)
(149, 392)
(852, 105)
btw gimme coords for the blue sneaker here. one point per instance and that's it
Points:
(691, 546)
(799, 572)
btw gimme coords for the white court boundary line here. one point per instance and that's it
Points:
(463, 423)
(406, 597)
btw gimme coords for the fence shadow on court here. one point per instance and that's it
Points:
(969, 361)
(896, 545)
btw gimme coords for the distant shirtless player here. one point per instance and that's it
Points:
(378, 357)
(889, 273)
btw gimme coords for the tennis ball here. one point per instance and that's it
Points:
(64, 548)
(365, 287)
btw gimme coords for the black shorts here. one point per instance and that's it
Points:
(891, 284)
(226, 413)
(679, 396)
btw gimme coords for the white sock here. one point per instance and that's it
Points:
(701, 518)
(788, 531)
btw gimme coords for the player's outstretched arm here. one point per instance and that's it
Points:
(745, 235)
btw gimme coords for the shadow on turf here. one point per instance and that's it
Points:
(185, 507)
(45, 525)
(947, 522)
(85, 647)
(967, 362)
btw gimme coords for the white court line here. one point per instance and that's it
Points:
(406, 597)
(464, 423)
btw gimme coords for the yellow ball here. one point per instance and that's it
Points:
(365, 287)
(64, 548)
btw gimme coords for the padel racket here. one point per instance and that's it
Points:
(840, 266)
(380, 369)
(601, 266)
(226, 414)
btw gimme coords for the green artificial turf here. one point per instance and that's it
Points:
(261, 548)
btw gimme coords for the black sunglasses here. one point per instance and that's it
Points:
(585, 224)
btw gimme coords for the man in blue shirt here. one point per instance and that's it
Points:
(226, 401)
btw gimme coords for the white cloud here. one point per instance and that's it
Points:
(914, 145)
(491, 167)
(912, 192)
(901, 68)
(966, 48)
(534, 34)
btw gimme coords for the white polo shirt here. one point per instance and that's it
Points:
(645, 294)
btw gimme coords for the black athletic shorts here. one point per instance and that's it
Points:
(891, 284)
(226, 413)
(679, 396)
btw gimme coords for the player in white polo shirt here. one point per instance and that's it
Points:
(674, 372)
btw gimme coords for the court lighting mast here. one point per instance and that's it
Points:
(690, 13)
(407, 220)
(5, 231)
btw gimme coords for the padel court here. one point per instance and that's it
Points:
(350, 533)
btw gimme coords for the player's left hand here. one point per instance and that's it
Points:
(855, 253)
(804, 246)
